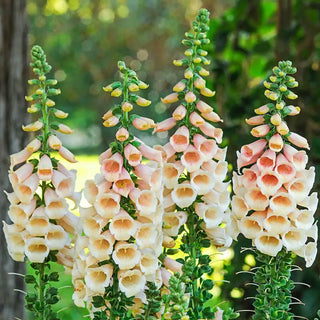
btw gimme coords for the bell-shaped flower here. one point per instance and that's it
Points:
(294, 238)
(207, 147)
(56, 237)
(269, 182)
(171, 173)
(45, 169)
(36, 249)
(191, 159)
(20, 213)
(124, 184)
(308, 252)
(105, 155)
(101, 246)
(211, 116)
(284, 168)
(149, 262)
(250, 227)
(276, 143)
(123, 226)
(112, 167)
(92, 225)
(131, 282)
(149, 153)
(63, 184)
(298, 189)
(179, 113)
(54, 142)
(249, 178)
(256, 200)
(56, 207)
(98, 278)
(212, 214)
(303, 219)
(211, 131)
(267, 161)
(282, 203)
(172, 221)
(15, 241)
(165, 125)
(67, 154)
(268, 243)
(184, 195)
(38, 224)
(26, 190)
(277, 224)
(180, 139)
(310, 202)
(146, 235)
(90, 191)
(260, 131)
(239, 207)
(107, 204)
(21, 174)
(79, 293)
(202, 181)
(19, 157)
(126, 255)
(132, 154)
(298, 140)
(298, 158)
(146, 202)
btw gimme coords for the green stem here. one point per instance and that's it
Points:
(41, 292)
(125, 118)
(45, 117)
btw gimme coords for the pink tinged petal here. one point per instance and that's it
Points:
(304, 219)
(101, 246)
(64, 185)
(298, 189)
(123, 226)
(239, 207)
(243, 161)
(131, 282)
(165, 125)
(104, 186)
(37, 249)
(38, 224)
(220, 154)
(276, 143)
(282, 203)
(276, 224)
(171, 98)
(56, 207)
(166, 275)
(202, 181)
(98, 278)
(212, 216)
(21, 174)
(26, 190)
(123, 185)
(54, 142)
(204, 107)
(211, 116)
(70, 223)
(250, 227)
(179, 113)
(298, 140)
(284, 168)
(33, 146)
(298, 158)
(191, 159)
(19, 214)
(207, 147)
(45, 169)
(112, 167)
(260, 131)
(269, 183)
(67, 155)
(253, 149)
(132, 154)
(294, 239)
(19, 157)
(168, 151)
(146, 202)
(122, 134)
(107, 205)
(267, 161)
(256, 120)
(105, 155)
(268, 244)
(180, 139)
(146, 236)
(172, 265)
(249, 178)
(256, 200)
(196, 119)
(90, 191)
(150, 153)
(184, 195)
(126, 255)
(56, 237)
(144, 172)
(190, 97)
(211, 131)
(156, 180)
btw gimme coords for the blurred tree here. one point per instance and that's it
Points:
(13, 79)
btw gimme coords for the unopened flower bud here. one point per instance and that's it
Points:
(293, 110)
(33, 109)
(262, 110)
(143, 102)
(133, 87)
(122, 134)
(54, 142)
(127, 106)
(276, 119)
(39, 91)
(190, 97)
(197, 60)
(282, 128)
(50, 103)
(207, 92)
(42, 78)
(178, 63)
(179, 113)
(171, 98)
(179, 86)
(188, 52)
(60, 114)
(283, 88)
(273, 78)
(280, 105)
(142, 85)
(64, 129)
(33, 146)
(291, 95)
(200, 83)
(116, 92)
(35, 126)
(111, 121)
(271, 95)
(188, 74)
(203, 72)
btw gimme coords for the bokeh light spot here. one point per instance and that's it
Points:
(142, 54)
(123, 11)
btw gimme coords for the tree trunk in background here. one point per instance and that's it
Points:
(13, 77)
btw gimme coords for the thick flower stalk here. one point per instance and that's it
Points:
(272, 204)
(196, 196)
(117, 269)
(38, 209)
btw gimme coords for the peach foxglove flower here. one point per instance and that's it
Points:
(173, 221)
(45, 169)
(26, 190)
(256, 120)
(260, 131)
(56, 207)
(35, 126)
(184, 195)
(146, 235)
(64, 184)
(191, 159)
(171, 98)
(298, 158)
(64, 129)
(202, 181)
(19, 157)
(123, 226)
(298, 140)
(196, 119)
(56, 237)
(38, 224)
(67, 155)
(123, 185)
(149, 262)
(276, 143)
(101, 246)
(206, 147)
(37, 249)
(112, 167)
(21, 174)
(268, 243)
(79, 294)
(90, 191)
(179, 113)
(132, 154)
(212, 116)
(180, 139)
(97, 278)
(165, 125)
(34, 145)
(126, 255)
(107, 204)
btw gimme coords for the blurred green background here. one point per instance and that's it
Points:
(84, 39)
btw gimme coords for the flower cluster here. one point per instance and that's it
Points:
(122, 225)
(195, 166)
(272, 205)
(38, 208)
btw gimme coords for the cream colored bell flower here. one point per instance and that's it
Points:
(184, 195)
(19, 157)
(131, 282)
(220, 237)
(239, 207)
(284, 168)
(249, 177)
(123, 226)
(250, 227)
(277, 224)
(101, 246)
(207, 147)
(308, 252)
(267, 243)
(282, 203)
(146, 202)
(56, 207)
(56, 237)
(107, 204)
(212, 214)
(36, 249)
(97, 278)
(191, 159)
(180, 139)
(20, 213)
(90, 191)
(26, 190)
(132, 154)
(21, 174)
(298, 158)
(15, 238)
(146, 235)
(92, 226)
(63, 184)
(45, 169)
(269, 182)
(111, 167)
(298, 189)
(149, 263)
(310, 202)
(294, 238)
(124, 184)
(172, 221)
(303, 219)
(70, 223)
(202, 181)
(79, 294)
(171, 174)
(12, 197)
(256, 200)
(126, 255)
(38, 224)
